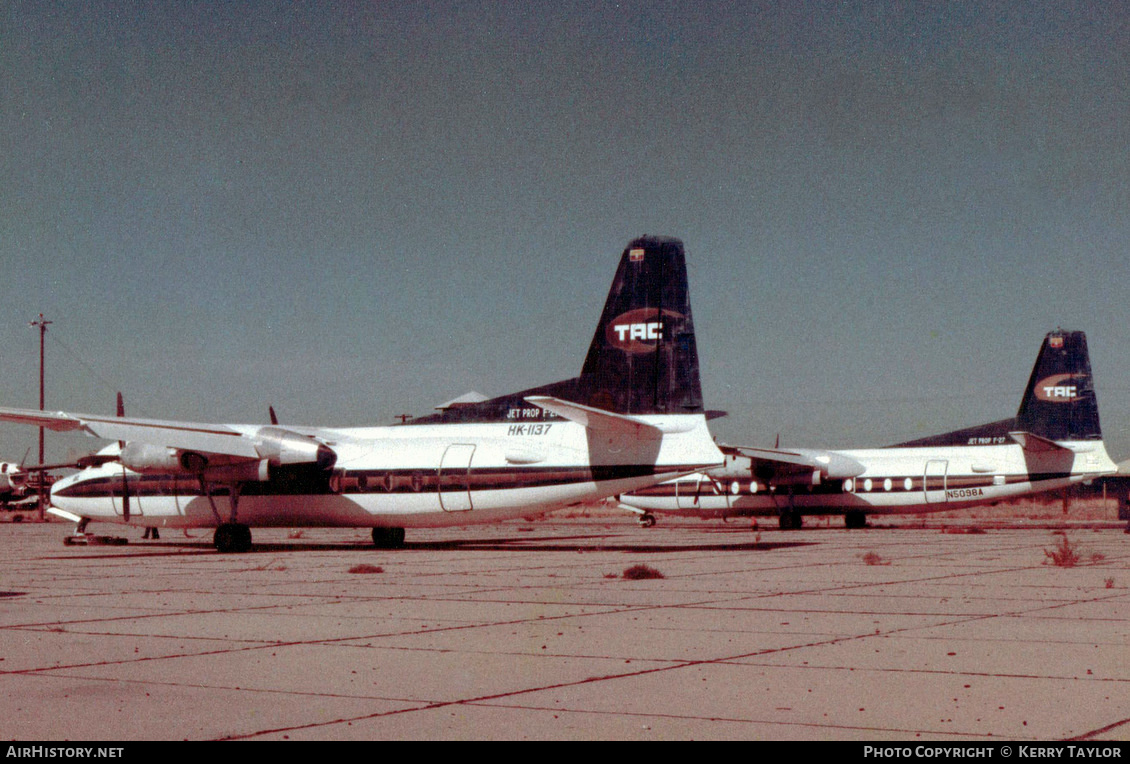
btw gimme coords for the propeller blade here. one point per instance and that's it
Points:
(122, 445)
(125, 496)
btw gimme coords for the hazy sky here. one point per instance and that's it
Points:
(353, 211)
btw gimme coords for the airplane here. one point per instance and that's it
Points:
(633, 417)
(1053, 441)
(13, 482)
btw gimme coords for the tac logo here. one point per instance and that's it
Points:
(640, 330)
(1058, 389)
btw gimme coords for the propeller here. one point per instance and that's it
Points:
(121, 446)
(706, 477)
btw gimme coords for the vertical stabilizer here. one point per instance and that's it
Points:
(643, 358)
(1059, 402)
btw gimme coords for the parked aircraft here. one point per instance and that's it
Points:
(633, 417)
(13, 482)
(1053, 441)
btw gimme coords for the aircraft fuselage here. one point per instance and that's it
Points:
(406, 476)
(895, 480)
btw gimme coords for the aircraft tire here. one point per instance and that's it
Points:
(646, 521)
(232, 537)
(388, 538)
(790, 520)
(855, 519)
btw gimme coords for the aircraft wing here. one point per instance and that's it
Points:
(776, 465)
(209, 438)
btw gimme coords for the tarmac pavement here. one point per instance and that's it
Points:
(530, 630)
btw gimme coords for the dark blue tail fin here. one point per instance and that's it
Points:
(1060, 403)
(643, 358)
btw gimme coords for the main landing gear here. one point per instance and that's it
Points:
(388, 538)
(791, 520)
(646, 520)
(232, 537)
(855, 519)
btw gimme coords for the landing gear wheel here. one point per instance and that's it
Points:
(232, 537)
(647, 521)
(855, 520)
(388, 538)
(791, 521)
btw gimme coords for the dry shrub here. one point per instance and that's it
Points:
(364, 568)
(641, 572)
(1064, 555)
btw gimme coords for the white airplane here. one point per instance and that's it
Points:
(633, 417)
(1054, 441)
(13, 482)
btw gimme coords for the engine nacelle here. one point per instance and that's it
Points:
(148, 458)
(12, 478)
(813, 468)
(282, 447)
(277, 447)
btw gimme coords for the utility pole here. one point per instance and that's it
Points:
(42, 324)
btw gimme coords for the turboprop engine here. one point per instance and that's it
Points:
(277, 447)
(810, 468)
(282, 447)
(12, 478)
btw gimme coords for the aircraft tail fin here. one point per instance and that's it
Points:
(1059, 402)
(643, 358)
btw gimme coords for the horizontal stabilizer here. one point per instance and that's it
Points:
(593, 418)
(1035, 443)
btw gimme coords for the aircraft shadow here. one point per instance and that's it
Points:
(579, 544)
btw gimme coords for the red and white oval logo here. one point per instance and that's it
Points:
(641, 330)
(1058, 388)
